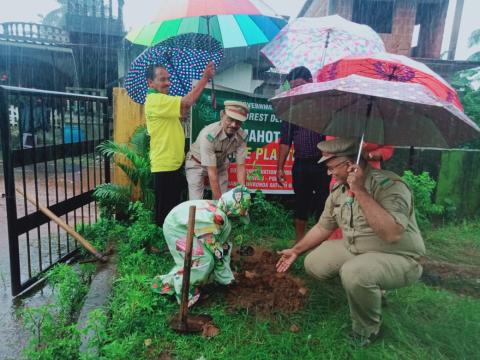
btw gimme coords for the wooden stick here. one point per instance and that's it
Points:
(186, 268)
(64, 226)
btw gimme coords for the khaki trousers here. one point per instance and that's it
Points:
(363, 277)
(196, 175)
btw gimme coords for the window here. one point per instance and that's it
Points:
(377, 14)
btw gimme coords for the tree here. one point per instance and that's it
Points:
(56, 17)
(467, 83)
(474, 40)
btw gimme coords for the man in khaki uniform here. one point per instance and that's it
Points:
(208, 155)
(381, 241)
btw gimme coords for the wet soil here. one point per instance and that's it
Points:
(459, 278)
(259, 288)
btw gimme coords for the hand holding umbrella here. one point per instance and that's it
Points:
(209, 73)
(186, 57)
(356, 178)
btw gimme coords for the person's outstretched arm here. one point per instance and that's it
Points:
(189, 99)
(314, 237)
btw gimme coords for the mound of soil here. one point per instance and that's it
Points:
(462, 279)
(259, 288)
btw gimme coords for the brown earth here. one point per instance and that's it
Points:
(259, 288)
(459, 278)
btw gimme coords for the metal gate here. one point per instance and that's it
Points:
(48, 147)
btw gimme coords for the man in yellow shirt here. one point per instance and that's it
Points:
(164, 114)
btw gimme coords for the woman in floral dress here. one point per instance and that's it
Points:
(211, 247)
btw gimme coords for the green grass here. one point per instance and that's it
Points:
(420, 322)
(457, 243)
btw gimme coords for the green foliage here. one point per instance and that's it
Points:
(422, 187)
(266, 212)
(113, 199)
(143, 232)
(54, 334)
(101, 233)
(474, 40)
(51, 339)
(69, 289)
(269, 219)
(133, 159)
(469, 97)
(96, 329)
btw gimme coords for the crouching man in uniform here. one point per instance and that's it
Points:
(381, 242)
(208, 155)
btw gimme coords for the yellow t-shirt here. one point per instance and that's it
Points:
(167, 138)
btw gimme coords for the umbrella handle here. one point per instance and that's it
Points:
(214, 98)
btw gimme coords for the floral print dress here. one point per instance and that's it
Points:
(211, 247)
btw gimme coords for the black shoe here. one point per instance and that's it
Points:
(358, 341)
(384, 300)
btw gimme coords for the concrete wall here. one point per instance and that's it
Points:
(238, 77)
(403, 22)
(399, 41)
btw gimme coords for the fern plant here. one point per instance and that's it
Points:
(133, 159)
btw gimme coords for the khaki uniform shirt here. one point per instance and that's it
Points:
(213, 146)
(389, 190)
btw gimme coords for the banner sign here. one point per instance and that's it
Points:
(263, 135)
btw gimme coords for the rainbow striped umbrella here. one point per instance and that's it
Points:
(234, 23)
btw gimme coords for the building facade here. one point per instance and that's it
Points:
(397, 21)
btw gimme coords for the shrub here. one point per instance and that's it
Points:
(268, 219)
(143, 232)
(422, 187)
(133, 159)
(113, 200)
(50, 339)
(101, 233)
(54, 335)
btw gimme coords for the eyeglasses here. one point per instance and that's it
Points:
(229, 120)
(331, 168)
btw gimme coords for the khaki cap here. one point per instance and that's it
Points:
(338, 147)
(237, 110)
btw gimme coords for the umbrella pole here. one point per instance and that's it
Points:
(362, 139)
(327, 41)
(360, 148)
(214, 99)
(350, 194)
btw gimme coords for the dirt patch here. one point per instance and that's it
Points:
(259, 288)
(462, 279)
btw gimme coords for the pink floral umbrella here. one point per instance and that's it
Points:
(313, 42)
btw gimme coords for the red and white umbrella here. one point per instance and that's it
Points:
(390, 67)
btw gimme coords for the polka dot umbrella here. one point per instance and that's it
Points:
(184, 56)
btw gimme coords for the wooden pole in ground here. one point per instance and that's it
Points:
(64, 226)
(186, 268)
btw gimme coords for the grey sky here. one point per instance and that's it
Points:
(138, 12)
